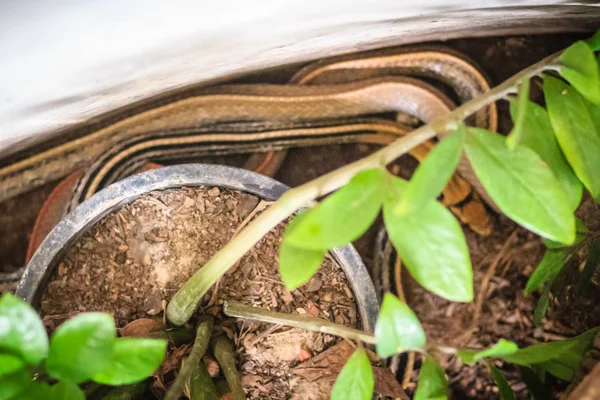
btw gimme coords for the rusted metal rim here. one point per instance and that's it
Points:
(80, 221)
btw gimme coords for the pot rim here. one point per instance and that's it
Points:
(81, 220)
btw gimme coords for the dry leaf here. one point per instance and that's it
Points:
(329, 363)
(387, 385)
(142, 327)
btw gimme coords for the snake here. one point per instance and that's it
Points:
(357, 98)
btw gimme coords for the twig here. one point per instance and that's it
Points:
(185, 302)
(200, 346)
(261, 206)
(410, 361)
(398, 278)
(266, 333)
(484, 284)
(239, 310)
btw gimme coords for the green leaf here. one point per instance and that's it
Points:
(397, 328)
(536, 387)
(38, 390)
(581, 232)
(594, 41)
(579, 68)
(10, 364)
(591, 265)
(521, 185)
(133, 360)
(539, 136)
(13, 384)
(506, 393)
(500, 349)
(567, 352)
(297, 265)
(432, 382)
(575, 122)
(515, 137)
(356, 379)
(21, 330)
(81, 347)
(559, 370)
(67, 390)
(542, 304)
(433, 174)
(432, 245)
(343, 216)
(552, 263)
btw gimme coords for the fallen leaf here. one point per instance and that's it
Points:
(328, 364)
(142, 327)
(387, 385)
(249, 380)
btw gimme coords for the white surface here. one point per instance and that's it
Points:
(63, 62)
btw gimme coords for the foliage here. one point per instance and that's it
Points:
(81, 349)
(356, 379)
(535, 176)
(432, 382)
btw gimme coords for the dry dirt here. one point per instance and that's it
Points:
(133, 262)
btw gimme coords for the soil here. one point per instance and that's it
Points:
(134, 261)
(504, 312)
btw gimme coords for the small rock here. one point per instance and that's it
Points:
(304, 355)
(188, 202)
(286, 296)
(153, 303)
(314, 284)
(248, 366)
(231, 204)
(200, 205)
(246, 205)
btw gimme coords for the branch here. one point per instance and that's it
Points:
(185, 302)
(239, 310)
(200, 346)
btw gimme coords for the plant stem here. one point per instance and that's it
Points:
(201, 384)
(239, 310)
(185, 302)
(200, 346)
(223, 350)
(177, 336)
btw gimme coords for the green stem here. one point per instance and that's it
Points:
(177, 336)
(223, 350)
(185, 302)
(514, 138)
(201, 384)
(200, 346)
(239, 310)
